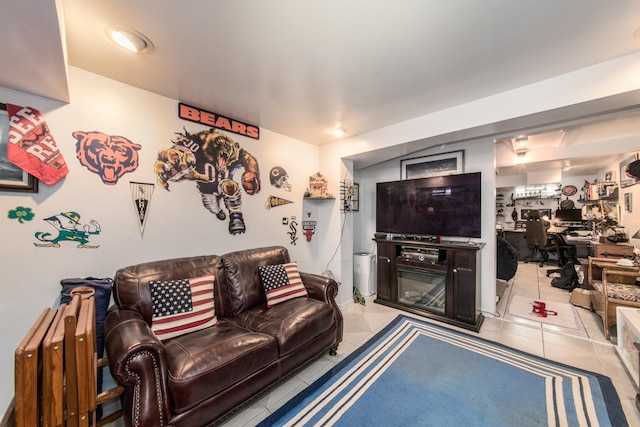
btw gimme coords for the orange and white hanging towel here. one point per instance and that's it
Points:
(31, 147)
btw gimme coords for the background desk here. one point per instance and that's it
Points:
(584, 248)
(613, 250)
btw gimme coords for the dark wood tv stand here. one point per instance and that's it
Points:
(434, 280)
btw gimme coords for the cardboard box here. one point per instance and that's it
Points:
(581, 298)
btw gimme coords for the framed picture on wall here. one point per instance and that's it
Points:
(625, 181)
(12, 178)
(627, 202)
(437, 165)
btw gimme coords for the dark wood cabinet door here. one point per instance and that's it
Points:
(386, 269)
(464, 286)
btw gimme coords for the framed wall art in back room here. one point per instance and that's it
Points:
(626, 181)
(12, 178)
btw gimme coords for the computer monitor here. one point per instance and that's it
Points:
(568, 215)
(545, 212)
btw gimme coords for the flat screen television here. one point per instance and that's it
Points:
(434, 206)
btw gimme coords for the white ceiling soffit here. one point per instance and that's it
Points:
(576, 142)
(32, 48)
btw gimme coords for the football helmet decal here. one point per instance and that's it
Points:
(279, 178)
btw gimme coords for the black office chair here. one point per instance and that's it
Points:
(537, 240)
(564, 251)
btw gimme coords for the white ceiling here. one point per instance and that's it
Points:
(300, 67)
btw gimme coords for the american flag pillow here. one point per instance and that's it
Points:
(182, 306)
(281, 282)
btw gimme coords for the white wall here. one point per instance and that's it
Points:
(177, 225)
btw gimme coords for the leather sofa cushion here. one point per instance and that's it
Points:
(131, 285)
(206, 362)
(243, 287)
(292, 323)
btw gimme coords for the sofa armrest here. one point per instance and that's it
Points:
(320, 287)
(324, 289)
(137, 361)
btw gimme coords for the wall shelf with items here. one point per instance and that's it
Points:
(543, 191)
(602, 191)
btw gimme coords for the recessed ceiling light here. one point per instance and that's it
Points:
(129, 39)
(339, 132)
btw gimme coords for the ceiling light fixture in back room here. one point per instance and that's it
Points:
(338, 132)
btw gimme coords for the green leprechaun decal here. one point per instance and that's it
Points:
(69, 230)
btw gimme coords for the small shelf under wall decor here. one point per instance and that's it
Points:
(319, 198)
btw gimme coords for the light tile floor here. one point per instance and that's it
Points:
(585, 348)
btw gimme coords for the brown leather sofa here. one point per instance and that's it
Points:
(199, 378)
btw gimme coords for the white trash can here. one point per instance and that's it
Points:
(363, 277)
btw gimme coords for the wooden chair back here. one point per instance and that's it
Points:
(56, 369)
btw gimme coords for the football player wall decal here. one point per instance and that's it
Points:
(216, 158)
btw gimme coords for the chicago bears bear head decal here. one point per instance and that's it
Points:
(108, 156)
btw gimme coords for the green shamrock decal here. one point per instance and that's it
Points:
(21, 214)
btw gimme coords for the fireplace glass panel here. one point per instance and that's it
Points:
(423, 289)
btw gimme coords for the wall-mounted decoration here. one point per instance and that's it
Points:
(22, 214)
(627, 178)
(176, 164)
(350, 196)
(628, 207)
(141, 193)
(109, 156)
(279, 178)
(273, 201)
(31, 147)
(207, 118)
(293, 227)
(319, 187)
(309, 229)
(217, 158)
(68, 229)
(27, 150)
(436, 165)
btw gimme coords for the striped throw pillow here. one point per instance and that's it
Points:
(281, 282)
(182, 306)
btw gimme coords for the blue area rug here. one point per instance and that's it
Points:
(415, 373)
